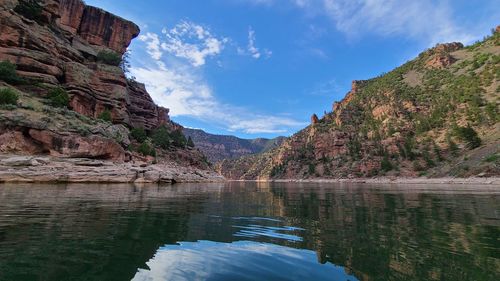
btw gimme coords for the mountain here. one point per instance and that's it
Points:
(220, 147)
(436, 115)
(64, 95)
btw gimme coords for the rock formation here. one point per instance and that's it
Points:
(403, 123)
(65, 44)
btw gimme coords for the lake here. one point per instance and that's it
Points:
(249, 231)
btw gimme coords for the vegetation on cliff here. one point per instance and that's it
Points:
(435, 115)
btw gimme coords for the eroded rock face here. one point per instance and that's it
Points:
(62, 51)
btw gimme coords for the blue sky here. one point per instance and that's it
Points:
(261, 68)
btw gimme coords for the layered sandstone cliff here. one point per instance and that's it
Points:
(65, 44)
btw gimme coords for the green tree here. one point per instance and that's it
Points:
(190, 142)
(106, 115)
(139, 134)
(8, 73)
(30, 9)
(161, 137)
(386, 164)
(468, 135)
(146, 149)
(109, 57)
(8, 96)
(58, 97)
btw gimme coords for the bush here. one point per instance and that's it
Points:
(109, 57)
(468, 135)
(8, 73)
(105, 115)
(161, 137)
(453, 147)
(8, 97)
(58, 97)
(178, 138)
(190, 142)
(146, 149)
(30, 9)
(386, 164)
(139, 134)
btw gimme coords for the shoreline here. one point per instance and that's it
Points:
(40, 169)
(33, 169)
(495, 181)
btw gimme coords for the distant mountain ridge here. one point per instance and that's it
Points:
(220, 147)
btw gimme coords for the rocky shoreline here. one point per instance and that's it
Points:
(495, 181)
(83, 170)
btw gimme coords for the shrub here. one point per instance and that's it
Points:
(386, 164)
(109, 57)
(161, 137)
(8, 73)
(190, 142)
(468, 135)
(139, 134)
(30, 9)
(146, 149)
(492, 112)
(58, 97)
(453, 147)
(178, 138)
(8, 96)
(105, 115)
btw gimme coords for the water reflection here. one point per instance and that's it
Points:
(120, 232)
(207, 260)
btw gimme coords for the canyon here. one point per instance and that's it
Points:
(65, 46)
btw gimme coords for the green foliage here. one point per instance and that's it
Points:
(386, 164)
(190, 142)
(8, 73)
(453, 147)
(109, 57)
(146, 149)
(354, 147)
(491, 110)
(312, 169)
(178, 138)
(468, 135)
(161, 137)
(406, 150)
(58, 97)
(492, 158)
(30, 9)
(8, 96)
(106, 115)
(139, 134)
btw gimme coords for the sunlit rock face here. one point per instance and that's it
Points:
(62, 50)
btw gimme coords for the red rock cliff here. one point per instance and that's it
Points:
(62, 49)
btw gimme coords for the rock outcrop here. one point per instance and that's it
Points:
(395, 126)
(64, 52)
(68, 45)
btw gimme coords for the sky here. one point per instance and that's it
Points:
(261, 68)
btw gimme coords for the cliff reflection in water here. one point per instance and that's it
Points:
(113, 232)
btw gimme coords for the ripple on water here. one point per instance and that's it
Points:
(255, 230)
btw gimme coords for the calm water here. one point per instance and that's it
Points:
(248, 231)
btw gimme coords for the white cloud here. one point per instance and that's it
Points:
(179, 85)
(252, 49)
(427, 21)
(192, 42)
(186, 94)
(152, 45)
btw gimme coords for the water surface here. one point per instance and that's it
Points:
(249, 231)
